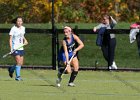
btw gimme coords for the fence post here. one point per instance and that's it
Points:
(54, 48)
(53, 39)
(57, 43)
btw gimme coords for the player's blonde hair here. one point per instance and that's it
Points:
(67, 27)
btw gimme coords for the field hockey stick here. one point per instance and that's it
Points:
(67, 66)
(13, 51)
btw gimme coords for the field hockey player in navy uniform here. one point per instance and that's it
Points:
(69, 51)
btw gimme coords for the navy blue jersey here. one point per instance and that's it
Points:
(70, 46)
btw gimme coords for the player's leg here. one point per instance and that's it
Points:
(105, 52)
(60, 71)
(63, 68)
(19, 61)
(62, 64)
(75, 64)
(11, 70)
(112, 63)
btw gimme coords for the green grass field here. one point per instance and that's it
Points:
(90, 85)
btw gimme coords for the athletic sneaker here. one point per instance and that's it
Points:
(18, 78)
(113, 66)
(71, 84)
(10, 72)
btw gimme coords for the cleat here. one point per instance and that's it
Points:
(18, 78)
(10, 72)
(71, 84)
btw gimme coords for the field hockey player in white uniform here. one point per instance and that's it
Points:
(16, 40)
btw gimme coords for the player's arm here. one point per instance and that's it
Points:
(97, 27)
(80, 44)
(11, 38)
(25, 41)
(65, 51)
(113, 20)
(10, 42)
(94, 29)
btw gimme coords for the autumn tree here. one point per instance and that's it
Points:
(32, 10)
(71, 11)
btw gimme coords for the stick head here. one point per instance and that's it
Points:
(5, 55)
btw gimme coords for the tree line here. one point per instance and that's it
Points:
(69, 11)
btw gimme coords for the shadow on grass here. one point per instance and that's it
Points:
(47, 81)
(7, 80)
(45, 85)
(125, 82)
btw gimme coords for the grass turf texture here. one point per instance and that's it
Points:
(39, 51)
(40, 85)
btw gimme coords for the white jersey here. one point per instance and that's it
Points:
(17, 34)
